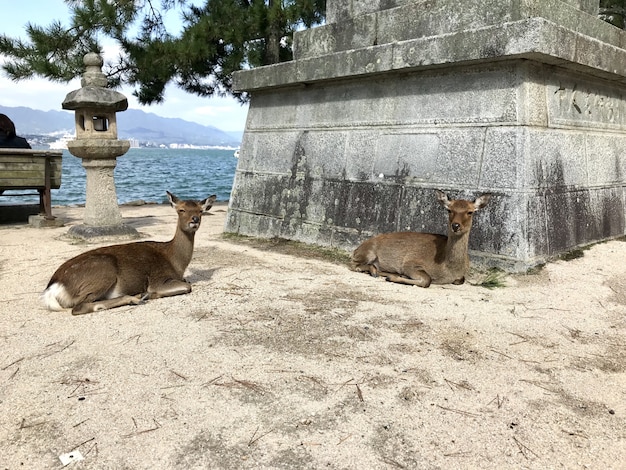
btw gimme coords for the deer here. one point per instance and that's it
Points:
(419, 259)
(128, 274)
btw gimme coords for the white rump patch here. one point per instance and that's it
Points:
(56, 297)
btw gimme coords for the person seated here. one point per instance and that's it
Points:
(8, 138)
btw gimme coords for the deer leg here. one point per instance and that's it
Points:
(88, 307)
(415, 278)
(370, 267)
(367, 268)
(168, 288)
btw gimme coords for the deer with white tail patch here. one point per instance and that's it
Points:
(113, 276)
(423, 258)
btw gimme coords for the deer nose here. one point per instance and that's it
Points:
(456, 227)
(195, 219)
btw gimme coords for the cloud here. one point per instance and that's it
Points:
(223, 113)
(35, 93)
(213, 110)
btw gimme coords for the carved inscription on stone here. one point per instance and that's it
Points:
(582, 103)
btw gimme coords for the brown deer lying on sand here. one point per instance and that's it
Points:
(113, 276)
(423, 258)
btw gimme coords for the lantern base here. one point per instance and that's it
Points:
(103, 233)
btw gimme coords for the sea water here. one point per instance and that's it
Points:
(145, 174)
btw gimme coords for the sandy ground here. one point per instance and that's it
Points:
(278, 360)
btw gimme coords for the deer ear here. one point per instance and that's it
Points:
(173, 199)
(208, 203)
(442, 198)
(482, 201)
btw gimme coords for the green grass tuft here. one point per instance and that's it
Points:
(573, 254)
(494, 279)
(536, 269)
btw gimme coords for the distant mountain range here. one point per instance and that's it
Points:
(147, 128)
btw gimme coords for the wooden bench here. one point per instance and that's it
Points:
(31, 169)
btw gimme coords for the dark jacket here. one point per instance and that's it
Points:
(14, 142)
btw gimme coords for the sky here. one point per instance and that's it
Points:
(224, 113)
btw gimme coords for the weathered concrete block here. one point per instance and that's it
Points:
(368, 23)
(522, 98)
(341, 11)
(588, 6)
(605, 157)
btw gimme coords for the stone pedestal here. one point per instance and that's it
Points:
(393, 99)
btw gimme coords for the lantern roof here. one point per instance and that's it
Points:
(94, 92)
(95, 97)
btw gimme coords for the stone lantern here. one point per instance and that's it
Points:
(97, 145)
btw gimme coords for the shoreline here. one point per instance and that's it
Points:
(19, 213)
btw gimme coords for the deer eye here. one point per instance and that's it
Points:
(470, 212)
(449, 211)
